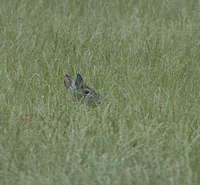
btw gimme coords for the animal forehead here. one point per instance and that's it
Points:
(86, 88)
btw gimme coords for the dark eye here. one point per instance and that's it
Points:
(86, 92)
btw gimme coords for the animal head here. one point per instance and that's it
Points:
(81, 91)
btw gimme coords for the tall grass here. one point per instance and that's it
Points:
(142, 55)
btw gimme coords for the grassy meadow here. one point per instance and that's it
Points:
(143, 56)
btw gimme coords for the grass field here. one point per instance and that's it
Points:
(143, 56)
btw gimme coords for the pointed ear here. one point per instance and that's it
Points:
(79, 80)
(69, 81)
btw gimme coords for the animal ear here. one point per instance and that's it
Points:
(79, 81)
(69, 81)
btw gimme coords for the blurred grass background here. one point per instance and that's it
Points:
(142, 55)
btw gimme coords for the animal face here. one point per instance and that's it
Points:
(81, 91)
